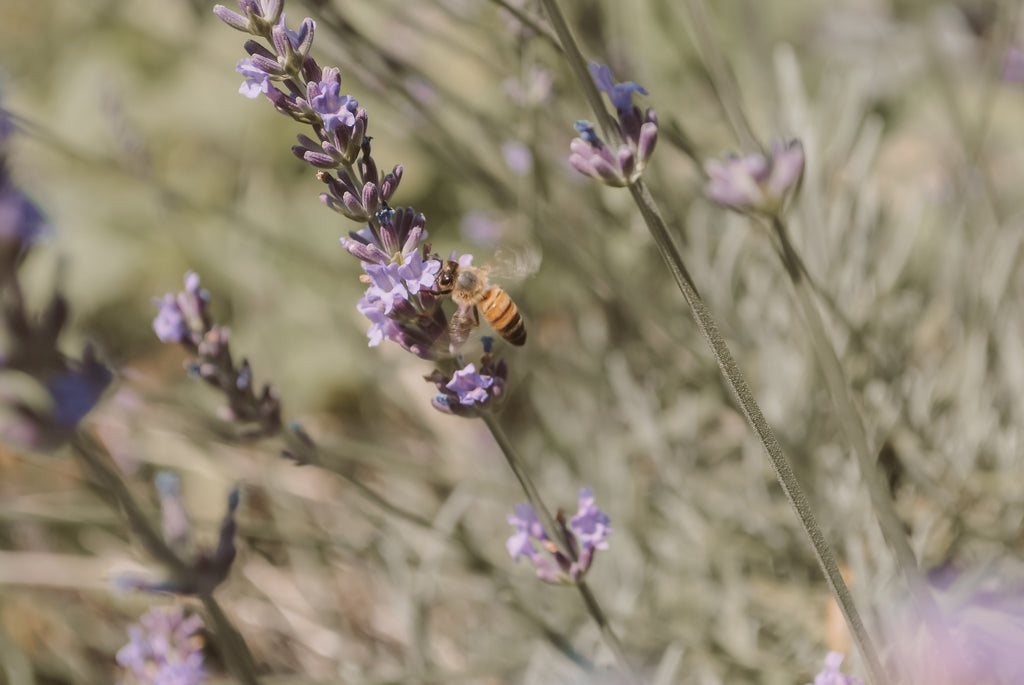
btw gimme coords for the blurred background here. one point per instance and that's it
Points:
(149, 163)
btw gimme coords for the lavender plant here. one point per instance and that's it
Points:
(383, 559)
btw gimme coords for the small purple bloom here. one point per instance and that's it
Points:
(518, 157)
(831, 674)
(584, 535)
(164, 649)
(470, 386)
(756, 183)
(381, 327)
(621, 94)
(21, 222)
(76, 391)
(336, 110)
(257, 80)
(170, 324)
(418, 274)
(1013, 66)
(590, 524)
(387, 284)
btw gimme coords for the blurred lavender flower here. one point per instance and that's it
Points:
(206, 568)
(831, 675)
(756, 183)
(638, 131)
(45, 394)
(164, 649)
(978, 638)
(518, 157)
(1013, 65)
(585, 533)
(185, 319)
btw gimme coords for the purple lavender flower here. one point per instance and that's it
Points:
(621, 94)
(831, 675)
(386, 285)
(585, 533)
(419, 274)
(977, 637)
(76, 390)
(170, 324)
(756, 183)
(257, 79)
(638, 130)
(518, 157)
(164, 649)
(468, 391)
(470, 386)
(1013, 66)
(336, 110)
(185, 319)
(590, 524)
(381, 327)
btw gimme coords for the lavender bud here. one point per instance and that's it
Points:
(235, 21)
(371, 198)
(390, 183)
(646, 143)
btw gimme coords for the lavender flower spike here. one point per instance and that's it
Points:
(638, 131)
(584, 534)
(757, 184)
(164, 649)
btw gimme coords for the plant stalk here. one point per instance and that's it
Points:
(554, 532)
(731, 372)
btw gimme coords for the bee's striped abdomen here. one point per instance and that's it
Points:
(501, 312)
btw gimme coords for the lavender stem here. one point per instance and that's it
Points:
(554, 532)
(730, 371)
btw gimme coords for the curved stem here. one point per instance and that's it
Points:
(554, 532)
(734, 377)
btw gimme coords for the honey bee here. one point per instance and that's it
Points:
(470, 289)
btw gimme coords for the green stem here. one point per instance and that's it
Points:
(732, 374)
(555, 533)
(852, 425)
(239, 659)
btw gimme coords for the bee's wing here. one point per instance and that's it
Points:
(463, 321)
(511, 265)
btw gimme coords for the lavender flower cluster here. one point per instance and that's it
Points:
(185, 319)
(402, 301)
(164, 649)
(584, 534)
(638, 130)
(44, 394)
